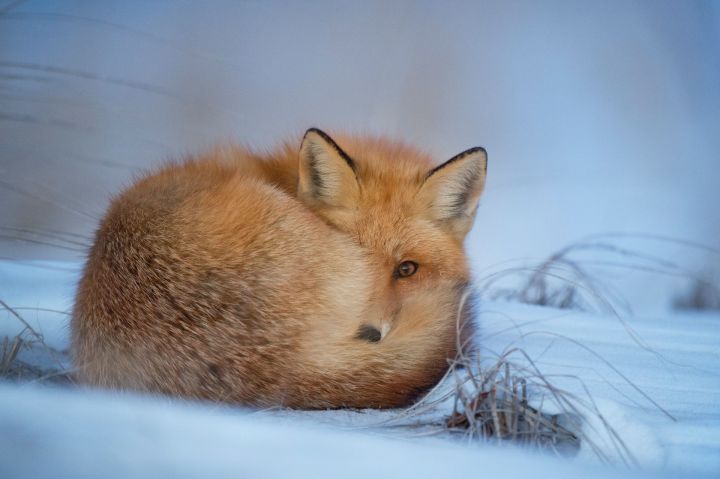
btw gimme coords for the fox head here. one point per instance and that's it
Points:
(410, 218)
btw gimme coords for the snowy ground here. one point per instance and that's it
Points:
(625, 364)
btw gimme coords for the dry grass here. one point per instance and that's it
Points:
(559, 281)
(493, 403)
(567, 279)
(29, 341)
(509, 400)
(503, 402)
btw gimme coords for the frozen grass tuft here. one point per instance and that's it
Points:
(30, 342)
(493, 403)
(564, 279)
(567, 279)
(509, 400)
(496, 406)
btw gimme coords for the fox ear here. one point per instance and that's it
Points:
(450, 193)
(326, 175)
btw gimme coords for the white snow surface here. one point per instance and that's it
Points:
(48, 433)
(623, 364)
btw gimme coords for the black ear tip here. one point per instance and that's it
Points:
(471, 151)
(460, 156)
(329, 141)
(478, 149)
(317, 131)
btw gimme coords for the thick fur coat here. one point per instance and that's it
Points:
(331, 275)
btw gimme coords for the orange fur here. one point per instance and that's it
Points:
(246, 278)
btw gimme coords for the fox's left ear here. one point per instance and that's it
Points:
(449, 196)
(326, 175)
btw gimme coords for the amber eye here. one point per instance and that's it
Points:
(405, 269)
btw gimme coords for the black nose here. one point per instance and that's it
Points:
(368, 333)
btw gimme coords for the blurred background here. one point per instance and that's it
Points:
(599, 117)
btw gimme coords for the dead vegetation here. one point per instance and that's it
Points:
(509, 400)
(568, 278)
(494, 403)
(47, 365)
(560, 281)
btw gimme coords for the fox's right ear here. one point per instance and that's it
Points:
(327, 175)
(450, 194)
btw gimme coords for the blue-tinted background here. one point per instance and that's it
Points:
(597, 116)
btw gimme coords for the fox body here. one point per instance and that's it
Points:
(332, 276)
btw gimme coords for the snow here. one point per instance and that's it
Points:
(623, 364)
(53, 433)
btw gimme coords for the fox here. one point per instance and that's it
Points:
(333, 275)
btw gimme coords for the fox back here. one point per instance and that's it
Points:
(330, 277)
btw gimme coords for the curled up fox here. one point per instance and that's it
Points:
(329, 275)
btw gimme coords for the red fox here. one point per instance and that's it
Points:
(328, 277)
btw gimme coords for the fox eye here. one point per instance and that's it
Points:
(406, 269)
